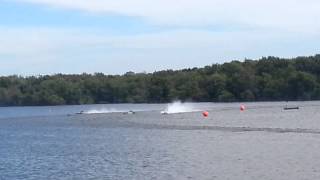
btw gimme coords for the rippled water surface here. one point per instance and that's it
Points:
(263, 142)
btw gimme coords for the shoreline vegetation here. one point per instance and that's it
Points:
(266, 79)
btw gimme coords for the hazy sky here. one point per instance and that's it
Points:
(116, 36)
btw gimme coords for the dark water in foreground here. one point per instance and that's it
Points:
(264, 142)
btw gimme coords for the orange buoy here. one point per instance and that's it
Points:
(205, 113)
(242, 107)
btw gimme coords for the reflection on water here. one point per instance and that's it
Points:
(263, 142)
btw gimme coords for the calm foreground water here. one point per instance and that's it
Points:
(263, 142)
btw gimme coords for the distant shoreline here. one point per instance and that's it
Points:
(266, 79)
(248, 102)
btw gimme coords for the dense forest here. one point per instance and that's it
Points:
(266, 79)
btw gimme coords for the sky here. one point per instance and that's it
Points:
(113, 37)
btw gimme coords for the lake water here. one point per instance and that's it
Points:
(262, 142)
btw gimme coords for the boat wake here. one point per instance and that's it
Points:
(227, 129)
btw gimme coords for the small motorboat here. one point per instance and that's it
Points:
(81, 112)
(164, 112)
(130, 112)
(291, 108)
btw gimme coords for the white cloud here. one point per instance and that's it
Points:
(281, 28)
(34, 51)
(289, 15)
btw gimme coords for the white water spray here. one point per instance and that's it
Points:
(178, 107)
(102, 111)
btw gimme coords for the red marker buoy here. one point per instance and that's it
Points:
(242, 107)
(205, 113)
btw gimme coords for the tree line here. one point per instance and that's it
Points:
(266, 79)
